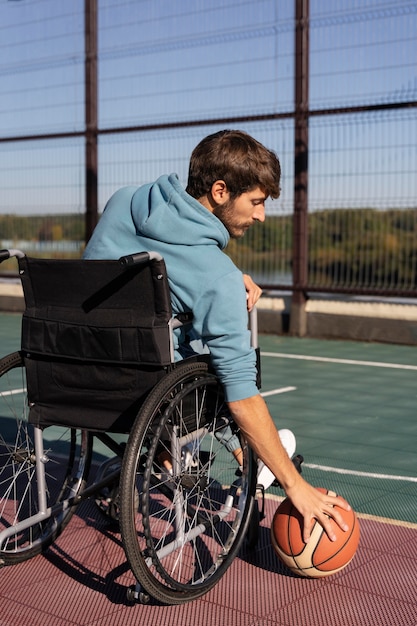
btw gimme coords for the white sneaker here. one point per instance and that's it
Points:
(288, 441)
(265, 476)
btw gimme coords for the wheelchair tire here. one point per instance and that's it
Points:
(188, 526)
(67, 457)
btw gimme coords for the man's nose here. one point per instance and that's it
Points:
(259, 214)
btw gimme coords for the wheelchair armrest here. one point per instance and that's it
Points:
(6, 254)
(139, 258)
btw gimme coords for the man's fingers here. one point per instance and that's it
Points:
(338, 518)
(342, 503)
(325, 519)
(307, 528)
(253, 291)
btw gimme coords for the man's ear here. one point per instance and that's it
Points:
(219, 192)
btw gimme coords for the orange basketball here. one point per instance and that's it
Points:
(320, 556)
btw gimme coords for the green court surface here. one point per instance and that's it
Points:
(352, 407)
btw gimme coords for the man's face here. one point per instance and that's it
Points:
(242, 212)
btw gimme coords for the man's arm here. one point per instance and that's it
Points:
(253, 418)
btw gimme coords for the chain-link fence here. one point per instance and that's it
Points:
(167, 75)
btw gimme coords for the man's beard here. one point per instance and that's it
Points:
(225, 213)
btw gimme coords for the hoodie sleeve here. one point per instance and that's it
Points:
(222, 322)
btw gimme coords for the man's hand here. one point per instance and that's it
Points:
(314, 505)
(253, 292)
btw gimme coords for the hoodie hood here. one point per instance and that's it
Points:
(174, 217)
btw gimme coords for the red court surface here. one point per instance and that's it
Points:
(83, 578)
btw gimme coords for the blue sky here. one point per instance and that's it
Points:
(161, 61)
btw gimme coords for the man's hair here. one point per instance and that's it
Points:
(238, 159)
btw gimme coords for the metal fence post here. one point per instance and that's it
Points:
(298, 319)
(91, 118)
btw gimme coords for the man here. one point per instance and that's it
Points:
(230, 177)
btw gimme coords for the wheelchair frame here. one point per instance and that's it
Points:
(181, 526)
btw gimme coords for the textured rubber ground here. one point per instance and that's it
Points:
(83, 579)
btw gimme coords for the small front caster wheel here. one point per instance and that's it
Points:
(137, 596)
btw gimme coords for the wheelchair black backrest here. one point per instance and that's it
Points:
(95, 339)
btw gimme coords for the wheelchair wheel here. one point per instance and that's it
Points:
(187, 525)
(66, 458)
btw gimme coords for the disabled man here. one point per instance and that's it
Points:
(231, 175)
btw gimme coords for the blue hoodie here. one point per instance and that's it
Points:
(162, 217)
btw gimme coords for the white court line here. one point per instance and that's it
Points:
(337, 470)
(275, 392)
(12, 392)
(325, 468)
(304, 357)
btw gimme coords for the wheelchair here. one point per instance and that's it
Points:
(96, 364)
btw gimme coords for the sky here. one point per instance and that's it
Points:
(162, 61)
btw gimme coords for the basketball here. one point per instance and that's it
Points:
(320, 556)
